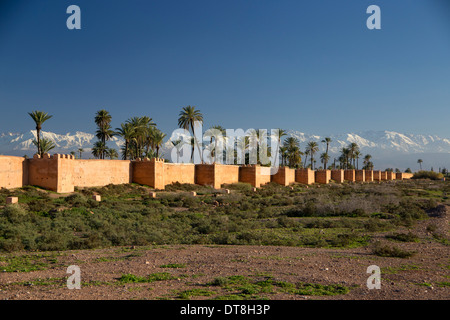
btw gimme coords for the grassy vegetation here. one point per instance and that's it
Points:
(131, 278)
(336, 216)
(187, 294)
(254, 287)
(173, 265)
(401, 268)
(27, 262)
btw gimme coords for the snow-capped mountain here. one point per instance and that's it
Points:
(388, 149)
(20, 144)
(381, 141)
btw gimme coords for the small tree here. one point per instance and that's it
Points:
(39, 117)
(419, 161)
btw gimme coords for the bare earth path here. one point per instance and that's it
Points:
(423, 276)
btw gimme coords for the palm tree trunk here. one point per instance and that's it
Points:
(38, 133)
(196, 142)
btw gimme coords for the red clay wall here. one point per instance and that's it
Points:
(250, 174)
(360, 175)
(62, 173)
(349, 175)
(305, 176)
(403, 175)
(376, 175)
(43, 173)
(225, 174)
(216, 174)
(97, 173)
(65, 173)
(285, 176)
(337, 176)
(265, 176)
(368, 175)
(204, 174)
(179, 172)
(52, 172)
(148, 172)
(13, 172)
(323, 176)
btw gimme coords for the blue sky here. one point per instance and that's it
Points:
(309, 65)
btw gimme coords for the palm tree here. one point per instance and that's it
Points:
(125, 131)
(283, 153)
(327, 141)
(187, 117)
(293, 152)
(99, 149)
(223, 131)
(324, 157)
(39, 118)
(158, 139)
(353, 147)
(367, 163)
(345, 153)
(138, 134)
(357, 155)
(312, 148)
(103, 121)
(420, 163)
(306, 158)
(73, 153)
(45, 145)
(177, 144)
(281, 134)
(81, 150)
(111, 153)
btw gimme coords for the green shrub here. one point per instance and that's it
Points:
(387, 251)
(76, 200)
(428, 175)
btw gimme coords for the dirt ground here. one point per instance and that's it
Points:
(422, 276)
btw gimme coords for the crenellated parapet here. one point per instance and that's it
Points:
(53, 172)
(146, 159)
(54, 156)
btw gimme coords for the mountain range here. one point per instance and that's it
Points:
(388, 149)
